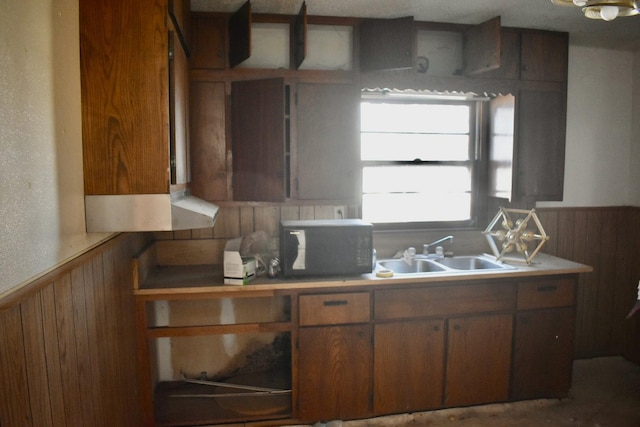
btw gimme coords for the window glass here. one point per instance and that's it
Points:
(417, 161)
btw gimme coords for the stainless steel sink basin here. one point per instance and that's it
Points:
(456, 264)
(416, 266)
(470, 263)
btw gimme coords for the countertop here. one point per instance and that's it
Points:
(168, 282)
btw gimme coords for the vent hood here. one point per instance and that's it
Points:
(148, 212)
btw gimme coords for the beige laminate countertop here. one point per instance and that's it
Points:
(169, 282)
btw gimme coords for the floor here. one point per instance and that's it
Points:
(605, 393)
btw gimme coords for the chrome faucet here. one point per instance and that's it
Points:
(425, 247)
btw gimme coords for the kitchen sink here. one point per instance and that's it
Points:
(470, 263)
(454, 264)
(414, 266)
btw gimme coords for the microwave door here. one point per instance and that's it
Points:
(300, 262)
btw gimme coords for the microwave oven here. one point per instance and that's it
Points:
(325, 247)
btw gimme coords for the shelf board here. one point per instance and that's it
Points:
(188, 411)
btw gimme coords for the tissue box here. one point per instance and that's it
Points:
(237, 270)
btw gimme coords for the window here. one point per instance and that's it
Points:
(419, 161)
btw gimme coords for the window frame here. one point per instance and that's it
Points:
(476, 163)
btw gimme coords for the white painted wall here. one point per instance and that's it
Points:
(41, 185)
(601, 161)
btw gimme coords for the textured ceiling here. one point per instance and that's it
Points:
(622, 33)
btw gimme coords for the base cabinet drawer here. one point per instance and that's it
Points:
(546, 293)
(443, 300)
(334, 309)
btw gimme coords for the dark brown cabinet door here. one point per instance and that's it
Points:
(509, 57)
(258, 132)
(540, 149)
(207, 137)
(334, 372)
(387, 44)
(408, 366)
(209, 39)
(543, 354)
(544, 56)
(328, 142)
(478, 359)
(481, 47)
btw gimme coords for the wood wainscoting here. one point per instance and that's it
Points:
(608, 239)
(68, 343)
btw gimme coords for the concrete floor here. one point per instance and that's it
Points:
(605, 393)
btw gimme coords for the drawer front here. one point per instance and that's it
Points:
(546, 293)
(334, 309)
(443, 300)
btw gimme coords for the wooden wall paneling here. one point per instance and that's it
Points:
(290, 213)
(246, 221)
(585, 287)
(267, 218)
(98, 349)
(307, 212)
(202, 233)
(228, 223)
(549, 220)
(566, 233)
(15, 407)
(72, 344)
(323, 212)
(606, 284)
(35, 360)
(52, 353)
(85, 368)
(631, 343)
(68, 353)
(622, 278)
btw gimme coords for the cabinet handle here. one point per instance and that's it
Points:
(456, 327)
(335, 302)
(548, 288)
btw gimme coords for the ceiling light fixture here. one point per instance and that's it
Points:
(607, 10)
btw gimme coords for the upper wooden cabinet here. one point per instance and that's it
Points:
(481, 47)
(208, 48)
(540, 145)
(258, 109)
(134, 77)
(532, 55)
(124, 50)
(328, 136)
(544, 56)
(387, 44)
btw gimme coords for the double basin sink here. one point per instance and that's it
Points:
(444, 264)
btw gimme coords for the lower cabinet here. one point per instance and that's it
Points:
(335, 356)
(543, 355)
(434, 346)
(478, 359)
(543, 343)
(408, 367)
(334, 372)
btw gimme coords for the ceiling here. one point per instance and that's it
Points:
(620, 34)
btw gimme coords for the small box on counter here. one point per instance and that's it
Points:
(237, 270)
